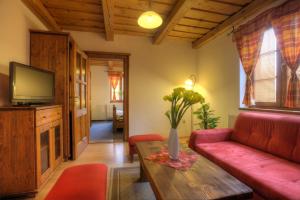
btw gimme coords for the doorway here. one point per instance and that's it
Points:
(109, 96)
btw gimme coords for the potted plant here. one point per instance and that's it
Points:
(206, 117)
(181, 99)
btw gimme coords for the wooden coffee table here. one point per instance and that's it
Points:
(204, 180)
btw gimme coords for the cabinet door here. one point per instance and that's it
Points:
(57, 143)
(44, 149)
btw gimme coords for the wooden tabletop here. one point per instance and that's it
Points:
(204, 180)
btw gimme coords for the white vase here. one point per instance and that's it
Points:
(173, 144)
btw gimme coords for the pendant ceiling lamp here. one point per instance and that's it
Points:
(150, 19)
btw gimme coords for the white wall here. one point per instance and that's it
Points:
(15, 21)
(101, 107)
(99, 92)
(154, 70)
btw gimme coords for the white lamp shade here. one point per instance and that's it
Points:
(150, 20)
(189, 84)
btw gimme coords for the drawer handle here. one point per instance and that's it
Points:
(44, 117)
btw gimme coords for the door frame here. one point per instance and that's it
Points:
(96, 55)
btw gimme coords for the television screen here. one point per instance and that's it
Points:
(29, 85)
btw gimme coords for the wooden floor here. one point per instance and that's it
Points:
(112, 154)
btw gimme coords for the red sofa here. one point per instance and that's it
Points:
(263, 151)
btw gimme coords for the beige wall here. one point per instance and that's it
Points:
(99, 93)
(101, 107)
(15, 21)
(218, 73)
(154, 70)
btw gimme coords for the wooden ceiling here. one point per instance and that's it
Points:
(197, 21)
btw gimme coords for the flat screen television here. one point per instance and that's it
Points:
(30, 85)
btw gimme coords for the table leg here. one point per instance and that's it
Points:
(143, 177)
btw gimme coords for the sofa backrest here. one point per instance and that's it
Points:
(278, 134)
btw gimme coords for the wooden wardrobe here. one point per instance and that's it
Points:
(58, 52)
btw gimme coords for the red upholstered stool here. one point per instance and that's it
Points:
(82, 182)
(142, 138)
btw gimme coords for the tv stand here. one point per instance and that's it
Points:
(31, 147)
(19, 104)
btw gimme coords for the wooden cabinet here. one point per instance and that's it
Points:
(30, 147)
(49, 142)
(59, 53)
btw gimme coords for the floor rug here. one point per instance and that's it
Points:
(102, 131)
(125, 185)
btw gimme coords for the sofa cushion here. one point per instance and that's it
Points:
(296, 152)
(209, 136)
(274, 133)
(267, 175)
(284, 138)
(144, 138)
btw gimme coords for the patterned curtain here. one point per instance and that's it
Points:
(248, 39)
(114, 81)
(287, 31)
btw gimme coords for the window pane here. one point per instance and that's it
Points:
(265, 90)
(77, 95)
(83, 96)
(78, 64)
(269, 42)
(45, 151)
(265, 72)
(266, 67)
(83, 73)
(118, 92)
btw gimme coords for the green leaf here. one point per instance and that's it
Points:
(206, 116)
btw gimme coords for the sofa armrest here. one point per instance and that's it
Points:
(209, 136)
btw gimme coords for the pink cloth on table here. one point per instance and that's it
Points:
(185, 161)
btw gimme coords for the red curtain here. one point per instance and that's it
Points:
(287, 31)
(248, 40)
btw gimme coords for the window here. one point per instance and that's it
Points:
(116, 88)
(270, 76)
(266, 74)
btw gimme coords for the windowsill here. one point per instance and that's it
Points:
(116, 101)
(274, 110)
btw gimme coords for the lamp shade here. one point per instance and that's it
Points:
(189, 84)
(150, 20)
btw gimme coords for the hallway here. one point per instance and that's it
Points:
(102, 131)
